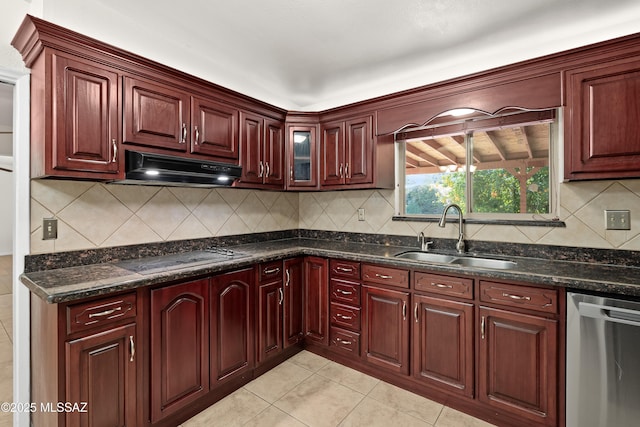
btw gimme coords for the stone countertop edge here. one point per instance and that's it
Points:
(80, 282)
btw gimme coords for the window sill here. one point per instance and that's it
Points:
(515, 222)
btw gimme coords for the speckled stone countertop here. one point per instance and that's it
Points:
(58, 285)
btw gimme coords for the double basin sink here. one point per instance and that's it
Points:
(467, 261)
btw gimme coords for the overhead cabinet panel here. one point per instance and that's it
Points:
(155, 115)
(215, 129)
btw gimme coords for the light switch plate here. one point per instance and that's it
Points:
(49, 229)
(617, 219)
(360, 214)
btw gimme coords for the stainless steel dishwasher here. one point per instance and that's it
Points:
(603, 361)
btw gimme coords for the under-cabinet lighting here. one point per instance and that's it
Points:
(223, 178)
(152, 172)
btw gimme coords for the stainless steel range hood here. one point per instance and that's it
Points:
(157, 169)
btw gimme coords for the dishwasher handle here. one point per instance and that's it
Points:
(611, 314)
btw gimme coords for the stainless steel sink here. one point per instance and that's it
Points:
(426, 257)
(464, 261)
(484, 263)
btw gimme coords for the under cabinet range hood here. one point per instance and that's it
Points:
(158, 169)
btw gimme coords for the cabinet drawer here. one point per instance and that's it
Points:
(528, 297)
(100, 312)
(346, 269)
(345, 316)
(345, 341)
(270, 271)
(345, 292)
(443, 285)
(385, 276)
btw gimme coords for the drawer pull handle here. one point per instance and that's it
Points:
(345, 342)
(132, 348)
(344, 269)
(516, 297)
(440, 285)
(342, 316)
(104, 313)
(271, 270)
(383, 276)
(344, 292)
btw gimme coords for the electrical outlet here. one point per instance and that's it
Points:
(360, 214)
(617, 219)
(49, 228)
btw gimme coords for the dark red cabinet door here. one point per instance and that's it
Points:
(359, 151)
(251, 148)
(385, 338)
(518, 364)
(274, 153)
(179, 346)
(293, 301)
(443, 344)
(316, 296)
(155, 115)
(332, 154)
(270, 300)
(231, 327)
(214, 128)
(85, 135)
(102, 372)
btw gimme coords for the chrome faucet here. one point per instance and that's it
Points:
(441, 223)
(423, 245)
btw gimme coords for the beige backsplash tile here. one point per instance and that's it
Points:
(100, 215)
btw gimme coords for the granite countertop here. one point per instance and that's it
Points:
(73, 283)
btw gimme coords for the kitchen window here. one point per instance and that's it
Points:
(494, 167)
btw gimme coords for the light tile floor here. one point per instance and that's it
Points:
(6, 338)
(309, 390)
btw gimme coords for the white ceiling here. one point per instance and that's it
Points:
(316, 54)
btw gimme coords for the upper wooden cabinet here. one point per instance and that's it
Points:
(602, 122)
(302, 157)
(261, 152)
(75, 110)
(165, 117)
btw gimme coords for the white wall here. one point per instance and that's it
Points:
(6, 213)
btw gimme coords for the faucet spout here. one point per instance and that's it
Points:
(441, 223)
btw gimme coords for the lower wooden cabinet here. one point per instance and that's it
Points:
(179, 346)
(270, 335)
(293, 301)
(518, 364)
(442, 344)
(231, 330)
(385, 330)
(104, 378)
(316, 295)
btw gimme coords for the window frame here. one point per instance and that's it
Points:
(481, 121)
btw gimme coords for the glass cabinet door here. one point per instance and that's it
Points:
(303, 161)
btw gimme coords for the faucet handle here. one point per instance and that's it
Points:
(425, 245)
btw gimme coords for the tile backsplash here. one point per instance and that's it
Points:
(95, 215)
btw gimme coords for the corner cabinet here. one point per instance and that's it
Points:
(316, 299)
(261, 152)
(302, 157)
(602, 121)
(75, 106)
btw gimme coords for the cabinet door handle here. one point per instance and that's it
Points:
(415, 312)
(440, 285)
(288, 278)
(197, 135)
(341, 171)
(104, 313)
(114, 144)
(516, 297)
(184, 133)
(404, 310)
(132, 348)
(383, 276)
(482, 326)
(268, 169)
(345, 269)
(271, 270)
(281, 296)
(291, 173)
(260, 169)
(346, 170)
(343, 317)
(340, 291)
